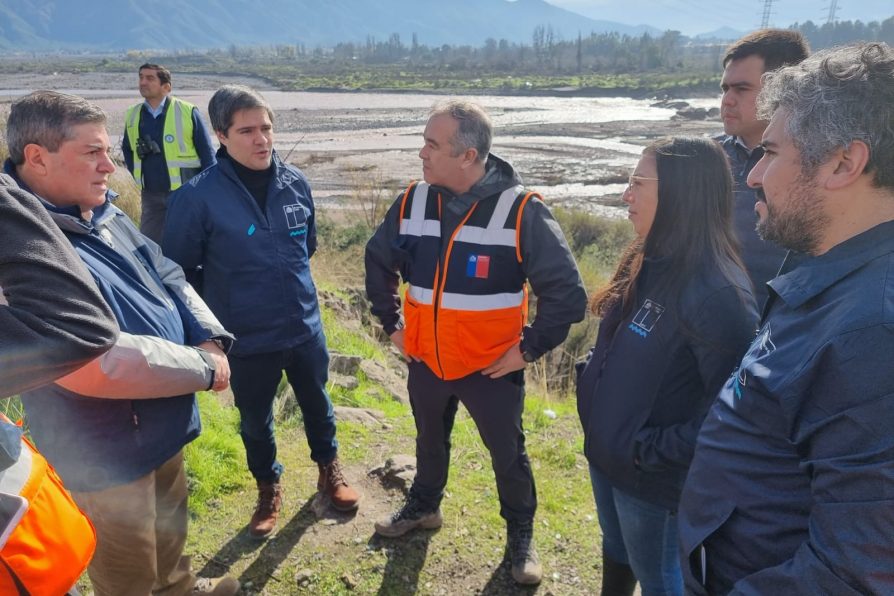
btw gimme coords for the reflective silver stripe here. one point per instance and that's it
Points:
(417, 225)
(481, 303)
(13, 478)
(421, 295)
(504, 206)
(495, 234)
(175, 179)
(486, 236)
(178, 126)
(420, 198)
(417, 211)
(428, 227)
(188, 163)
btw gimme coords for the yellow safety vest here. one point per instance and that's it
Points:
(179, 150)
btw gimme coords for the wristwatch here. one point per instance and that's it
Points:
(219, 343)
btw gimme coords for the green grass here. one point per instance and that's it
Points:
(215, 462)
(341, 339)
(465, 552)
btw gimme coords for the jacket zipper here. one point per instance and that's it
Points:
(134, 417)
(441, 281)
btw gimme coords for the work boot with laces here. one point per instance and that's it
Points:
(217, 586)
(411, 516)
(332, 483)
(263, 520)
(526, 567)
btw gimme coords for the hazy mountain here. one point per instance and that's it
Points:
(46, 25)
(722, 34)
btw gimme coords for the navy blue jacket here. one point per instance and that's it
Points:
(99, 443)
(762, 259)
(791, 490)
(255, 265)
(653, 373)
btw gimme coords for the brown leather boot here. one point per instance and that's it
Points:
(263, 520)
(332, 483)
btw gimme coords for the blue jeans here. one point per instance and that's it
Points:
(639, 534)
(254, 380)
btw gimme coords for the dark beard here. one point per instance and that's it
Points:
(799, 225)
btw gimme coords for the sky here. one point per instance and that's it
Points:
(692, 17)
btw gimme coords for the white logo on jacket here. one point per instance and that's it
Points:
(646, 317)
(296, 216)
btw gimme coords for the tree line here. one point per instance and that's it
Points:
(547, 53)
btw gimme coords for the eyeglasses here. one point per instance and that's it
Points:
(633, 178)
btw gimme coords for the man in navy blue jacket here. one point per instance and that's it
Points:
(791, 490)
(248, 223)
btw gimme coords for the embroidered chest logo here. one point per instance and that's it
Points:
(751, 366)
(478, 266)
(646, 317)
(296, 219)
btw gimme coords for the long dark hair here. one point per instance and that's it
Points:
(693, 221)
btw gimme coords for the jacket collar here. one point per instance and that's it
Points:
(282, 177)
(69, 218)
(804, 277)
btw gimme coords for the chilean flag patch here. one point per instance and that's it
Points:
(478, 266)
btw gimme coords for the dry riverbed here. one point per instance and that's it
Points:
(576, 151)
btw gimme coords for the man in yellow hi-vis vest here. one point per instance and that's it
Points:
(165, 144)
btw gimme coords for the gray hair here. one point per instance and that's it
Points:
(47, 118)
(474, 128)
(230, 99)
(837, 96)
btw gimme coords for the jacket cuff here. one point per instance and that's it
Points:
(390, 329)
(527, 347)
(212, 367)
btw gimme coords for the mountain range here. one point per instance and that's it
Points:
(115, 25)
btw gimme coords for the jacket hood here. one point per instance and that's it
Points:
(498, 176)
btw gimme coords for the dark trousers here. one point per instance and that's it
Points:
(254, 380)
(154, 207)
(496, 406)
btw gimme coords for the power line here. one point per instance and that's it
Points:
(833, 8)
(768, 8)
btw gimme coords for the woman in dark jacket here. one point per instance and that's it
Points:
(676, 317)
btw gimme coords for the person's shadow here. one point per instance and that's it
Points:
(272, 554)
(502, 584)
(406, 556)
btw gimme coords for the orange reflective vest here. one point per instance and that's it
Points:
(467, 299)
(53, 542)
